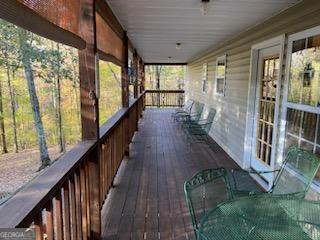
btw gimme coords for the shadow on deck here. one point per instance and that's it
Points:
(147, 201)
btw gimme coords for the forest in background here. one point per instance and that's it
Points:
(110, 90)
(40, 93)
(164, 77)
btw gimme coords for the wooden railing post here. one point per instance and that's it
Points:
(94, 195)
(135, 65)
(142, 72)
(90, 121)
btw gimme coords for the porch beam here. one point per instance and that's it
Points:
(105, 11)
(166, 64)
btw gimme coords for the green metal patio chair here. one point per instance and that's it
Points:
(200, 128)
(186, 109)
(204, 191)
(294, 177)
(193, 115)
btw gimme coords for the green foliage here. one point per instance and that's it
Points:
(110, 90)
(171, 77)
(49, 61)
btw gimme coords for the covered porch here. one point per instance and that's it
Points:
(255, 64)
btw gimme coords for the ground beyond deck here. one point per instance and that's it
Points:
(147, 201)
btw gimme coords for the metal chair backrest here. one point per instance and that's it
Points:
(196, 111)
(204, 191)
(209, 119)
(188, 106)
(297, 173)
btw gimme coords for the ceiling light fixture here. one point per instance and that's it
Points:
(205, 6)
(178, 45)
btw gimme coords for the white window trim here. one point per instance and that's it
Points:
(221, 58)
(285, 104)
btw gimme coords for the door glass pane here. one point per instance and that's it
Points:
(293, 121)
(304, 79)
(308, 126)
(268, 88)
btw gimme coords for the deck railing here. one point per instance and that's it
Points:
(65, 201)
(164, 98)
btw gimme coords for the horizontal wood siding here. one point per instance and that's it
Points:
(229, 127)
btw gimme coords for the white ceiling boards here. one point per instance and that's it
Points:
(155, 26)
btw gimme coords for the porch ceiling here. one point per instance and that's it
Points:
(155, 26)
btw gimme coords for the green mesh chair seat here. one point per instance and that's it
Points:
(204, 191)
(268, 217)
(294, 177)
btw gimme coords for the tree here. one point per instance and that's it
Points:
(9, 61)
(56, 68)
(2, 128)
(27, 55)
(13, 113)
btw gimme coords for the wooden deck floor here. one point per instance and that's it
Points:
(147, 201)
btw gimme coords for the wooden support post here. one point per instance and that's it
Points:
(142, 72)
(125, 88)
(89, 118)
(87, 71)
(124, 73)
(135, 65)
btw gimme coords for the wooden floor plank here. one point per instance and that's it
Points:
(147, 201)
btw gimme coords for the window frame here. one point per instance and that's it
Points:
(290, 105)
(217, 77)
(204, 81)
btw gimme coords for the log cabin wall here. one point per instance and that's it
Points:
(230, 125)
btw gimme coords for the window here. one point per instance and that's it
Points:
(164, 77)
(110, 90)
(204, 77)
(302, 102)
(40, 98)
(220, 83)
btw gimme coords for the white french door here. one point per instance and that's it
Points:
(265, 109)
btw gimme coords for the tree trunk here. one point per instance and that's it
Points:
(2, 128)
(13, 114)
(57, 95)
(25, 49)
